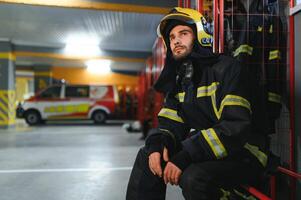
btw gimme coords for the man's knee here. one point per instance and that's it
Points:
(143, 184)
(196, 183)
(194, 177)
(142, 155)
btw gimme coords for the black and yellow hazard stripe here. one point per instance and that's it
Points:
(7, 107)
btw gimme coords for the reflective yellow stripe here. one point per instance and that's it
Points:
(273, 97)
(271, 28)
(244, 196)
(259, 29)
(262, 157)
(226, 194)
(207, 90)
(67, 108)
(275, 54)
(243, 49)
(213, 101)
(230, 100)
(214, 143)
(180, 96)
(234, 100)
(170, 114)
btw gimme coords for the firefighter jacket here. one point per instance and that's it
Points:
(261, 49)
(206, 116)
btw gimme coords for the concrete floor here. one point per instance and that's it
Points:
(68, 161)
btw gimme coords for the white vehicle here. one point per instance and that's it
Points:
(70, 102)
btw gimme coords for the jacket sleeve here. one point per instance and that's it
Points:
(229, 134)
(171, 129)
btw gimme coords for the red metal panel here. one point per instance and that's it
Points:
(215, 31)
(200, 6)
(159, 58)
(187, 3)
(292, 99)
(292, 88)
(289, 172)
(180, 3)
(256, 193)
(221, 26)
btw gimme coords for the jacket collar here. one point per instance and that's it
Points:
(199, 57)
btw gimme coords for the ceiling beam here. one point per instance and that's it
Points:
(81, 4)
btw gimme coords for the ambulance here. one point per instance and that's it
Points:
(57, 102)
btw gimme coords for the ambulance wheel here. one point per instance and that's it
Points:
(99, 117)
(32, 117)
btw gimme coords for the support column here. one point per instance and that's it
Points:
(7, 85)
(42, 77)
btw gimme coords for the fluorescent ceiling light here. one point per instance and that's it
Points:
(82, 46)
(82, 50)
(99, 66)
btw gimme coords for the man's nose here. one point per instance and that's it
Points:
(177, 40)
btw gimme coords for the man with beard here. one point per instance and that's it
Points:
(204, 141)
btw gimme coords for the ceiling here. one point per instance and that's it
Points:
(124, 30)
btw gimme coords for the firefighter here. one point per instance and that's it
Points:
(203, 142)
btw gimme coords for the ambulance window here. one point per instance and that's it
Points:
(52, 92)
(77, 91)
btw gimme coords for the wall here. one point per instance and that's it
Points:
(24, 85)
(82, 76)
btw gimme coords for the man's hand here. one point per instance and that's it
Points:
(172, 174)
(154, 162)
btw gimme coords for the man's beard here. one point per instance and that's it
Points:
(182, 55)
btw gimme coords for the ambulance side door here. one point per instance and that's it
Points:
(49, 101)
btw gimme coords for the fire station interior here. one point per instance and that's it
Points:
(76, 96)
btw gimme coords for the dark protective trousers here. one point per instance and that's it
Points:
(200, 181)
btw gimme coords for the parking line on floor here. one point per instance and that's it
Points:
(65, 170)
